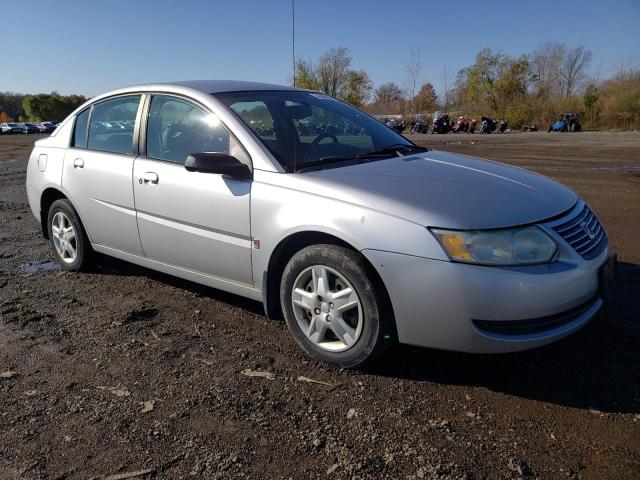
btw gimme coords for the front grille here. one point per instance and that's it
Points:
(533, 325)
(584, 233)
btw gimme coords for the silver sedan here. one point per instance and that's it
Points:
(357, 236)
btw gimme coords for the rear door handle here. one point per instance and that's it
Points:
(150, 177)
(78, 163)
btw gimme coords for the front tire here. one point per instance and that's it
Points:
(69, 241)
(332, 308)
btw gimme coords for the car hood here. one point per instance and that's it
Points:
(476, 193)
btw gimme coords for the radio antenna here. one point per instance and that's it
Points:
(293, 40)
(293, 61)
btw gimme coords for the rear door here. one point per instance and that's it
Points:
(193, 220)
(98, 169)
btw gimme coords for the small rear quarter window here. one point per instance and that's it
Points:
(80, 130)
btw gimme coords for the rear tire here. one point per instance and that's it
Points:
(69, 241)
(332, 308)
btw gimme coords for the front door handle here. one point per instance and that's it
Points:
(150, 177)
(78, 163)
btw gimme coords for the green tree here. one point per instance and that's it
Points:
(332, 75)
(357, 89)
(50, 106)
(305, 75)
(495, 84)
(590, 101)
(591, 97)
(332, 70)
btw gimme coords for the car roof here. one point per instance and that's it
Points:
(219, 86)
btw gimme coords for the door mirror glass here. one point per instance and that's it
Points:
(216, 162)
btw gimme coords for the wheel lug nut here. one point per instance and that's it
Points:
(317, 310)
(328, 318)
(331, 306)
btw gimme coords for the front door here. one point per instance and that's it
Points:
(97, 172)
(192, 220)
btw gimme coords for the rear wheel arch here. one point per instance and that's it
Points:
(292, 244)
(50, 195)
(47, 198)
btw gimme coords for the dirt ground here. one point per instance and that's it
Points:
(126, 370)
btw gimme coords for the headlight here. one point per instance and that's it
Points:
(513, 246)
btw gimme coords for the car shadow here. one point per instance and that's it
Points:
(598, 367)
(113, 266)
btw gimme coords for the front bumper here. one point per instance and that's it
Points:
(455, 306)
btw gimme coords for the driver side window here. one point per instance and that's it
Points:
(177, 128)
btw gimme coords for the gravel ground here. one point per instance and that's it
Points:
(124, 370)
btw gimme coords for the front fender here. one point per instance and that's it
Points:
(279, 211)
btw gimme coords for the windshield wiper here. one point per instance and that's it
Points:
(399, 149)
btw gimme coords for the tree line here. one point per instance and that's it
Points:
(37, 108)
(532, 89)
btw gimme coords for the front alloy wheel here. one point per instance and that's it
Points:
(327, 308)
(332, 307)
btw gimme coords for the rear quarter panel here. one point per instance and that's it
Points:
(44, 170)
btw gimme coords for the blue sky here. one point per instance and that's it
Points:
(87, 47)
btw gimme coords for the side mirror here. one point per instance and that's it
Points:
(220, 163)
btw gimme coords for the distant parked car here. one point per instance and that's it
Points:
(10, 128)
(46, 127)
(567, 122)
(28, 127)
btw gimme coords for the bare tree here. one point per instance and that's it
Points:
(573, 73)
(332, 70)
(546, 65)
(414, 69)
(559, 71)
(387, 96)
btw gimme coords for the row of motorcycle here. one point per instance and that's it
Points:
(442, 123)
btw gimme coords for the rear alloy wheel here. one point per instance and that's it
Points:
(332, 308)
(68, 238)
(64, 237)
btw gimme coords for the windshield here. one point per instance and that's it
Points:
(305, 129)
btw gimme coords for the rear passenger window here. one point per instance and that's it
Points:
(80, 130)
(112, 124)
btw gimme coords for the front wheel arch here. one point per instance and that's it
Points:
(292, 244)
